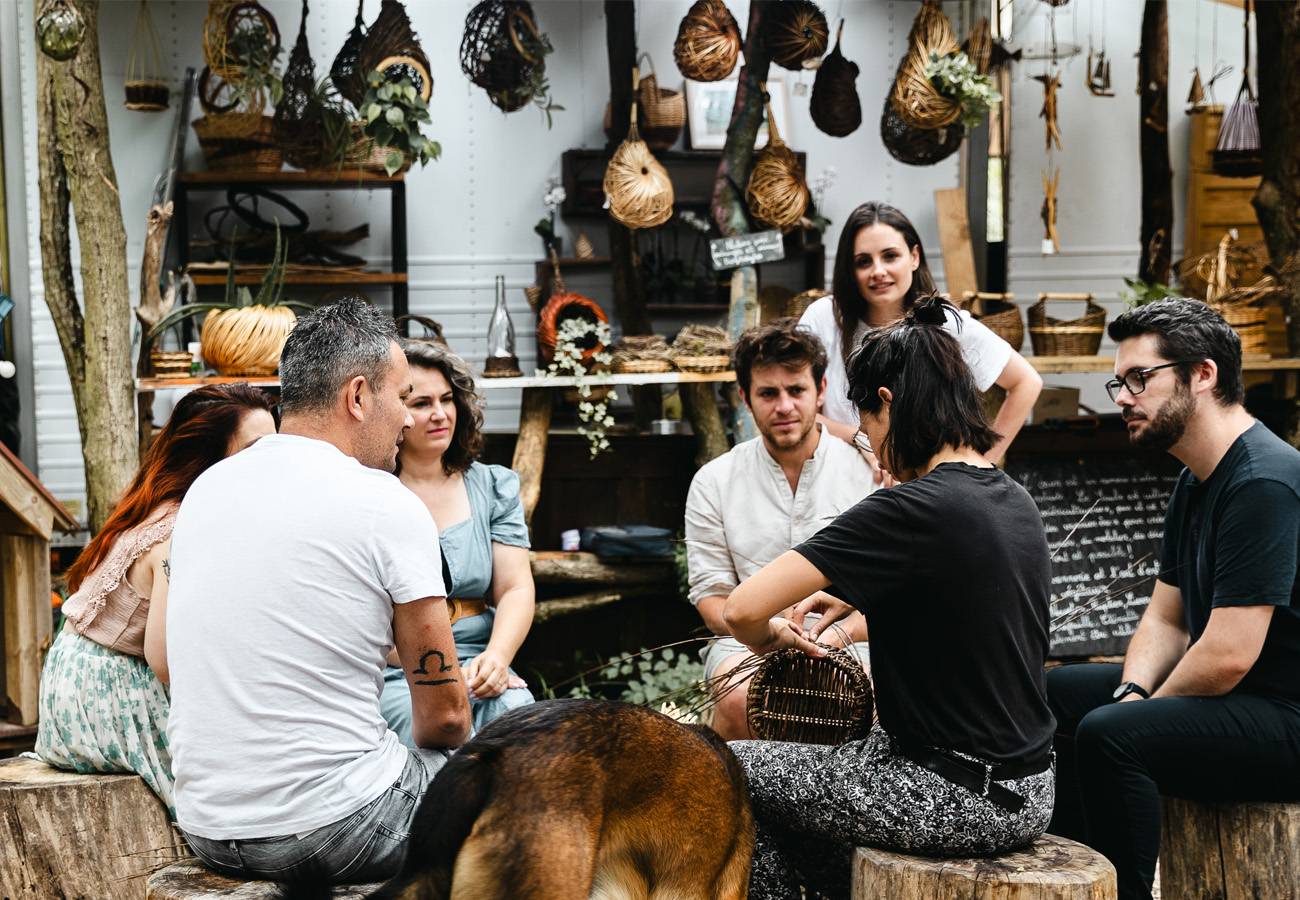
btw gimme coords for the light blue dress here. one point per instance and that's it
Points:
(496, 517)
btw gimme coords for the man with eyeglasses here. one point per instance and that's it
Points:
(1207, 702)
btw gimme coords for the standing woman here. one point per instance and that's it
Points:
(951, 570)
(103, 701)
(481, 532)
(880, 272)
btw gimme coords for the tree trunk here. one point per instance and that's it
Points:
(729, 209)
(1157, 177)
(75, 167)
(1277, 202)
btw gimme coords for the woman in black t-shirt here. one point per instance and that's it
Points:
(951, 570)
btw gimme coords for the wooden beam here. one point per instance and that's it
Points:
(955, 242)
(25, 620)
(556, 567)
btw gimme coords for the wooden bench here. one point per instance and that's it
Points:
(69, 835)
(190, 881)
(1221, 851)
(1052, 868)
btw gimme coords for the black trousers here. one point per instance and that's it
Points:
(1114, 760)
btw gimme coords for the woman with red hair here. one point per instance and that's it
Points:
(103, 704)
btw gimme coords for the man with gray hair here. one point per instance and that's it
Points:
(296, 566)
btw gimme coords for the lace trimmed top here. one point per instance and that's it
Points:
(107, 608)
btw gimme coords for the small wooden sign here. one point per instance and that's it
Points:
(746, 250)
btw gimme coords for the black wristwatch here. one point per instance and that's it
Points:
(1130, 687)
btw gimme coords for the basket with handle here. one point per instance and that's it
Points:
(998, 312)
(1066, 337)
(432, 329)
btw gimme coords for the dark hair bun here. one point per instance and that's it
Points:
(930, 310)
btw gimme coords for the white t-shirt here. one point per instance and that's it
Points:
(286, 561)
(985, 353)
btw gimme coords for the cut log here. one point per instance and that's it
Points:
(556, 567)
(567, 606)
(1052, 868)
(191, 881)
(69, 835)
(701, 408)
(530, 446)
(1222, 851)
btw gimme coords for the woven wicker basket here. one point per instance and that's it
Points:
(915, 97)
(243, 141)
(170, 363)
(641, 366)
(810, 700)
(246, 340)
(1072, 337)
(708, 42)
(701, 365)
(799, 303)
(997, 312)
(1251, 324)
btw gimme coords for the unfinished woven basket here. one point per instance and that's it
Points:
(1230, 265)
(998, 313)
(246, 340)
(244, 141)
(493, 55)
(777, 194)
(915, 97)
(796, 33)
(810, 700)
(345, 71)
(638, 188)
(391, 47)
(835, 106)
(1072, 337)
(641, 355)
(708, 42)
(799, 303)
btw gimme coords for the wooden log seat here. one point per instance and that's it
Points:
(189, 880)
(1052, 868)
(69, 835)
(1222, 851)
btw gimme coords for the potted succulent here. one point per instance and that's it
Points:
(393, 112)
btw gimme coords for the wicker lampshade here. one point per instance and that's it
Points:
(246, 340)
(796, 32)
(915, 97)
(639, 190)
(835, 107)
(708, 42)
(777, 193)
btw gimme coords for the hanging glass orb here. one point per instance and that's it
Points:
(60, 30)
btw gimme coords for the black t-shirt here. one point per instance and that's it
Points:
(1234, 540)
(952, 572)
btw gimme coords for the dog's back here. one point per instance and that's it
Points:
(569, 800)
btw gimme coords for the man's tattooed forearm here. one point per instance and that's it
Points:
(434, 676)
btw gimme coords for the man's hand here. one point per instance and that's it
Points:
(487, 675)
(782, 633)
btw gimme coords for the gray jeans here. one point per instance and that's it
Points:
(367, 845)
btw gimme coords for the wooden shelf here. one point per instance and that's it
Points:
(345, 178)
(307, 278)
(527, 381)
(686, 308)
(1065, 365)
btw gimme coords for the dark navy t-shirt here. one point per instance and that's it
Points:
(1234, 540)
(953, 574)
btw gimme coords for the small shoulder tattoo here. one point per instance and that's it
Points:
(167, 569)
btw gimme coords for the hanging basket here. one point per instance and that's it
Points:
(493, 54)
(345, 71)
(147, 96)
(708, 42)
(835, 106)
(916, 99)
(777, 194)
(796, 33)
(809, 699)
(662, 112)
(246, 340)
(144, 87)
(391, 48)
(432, 330)
(224, 21)
(637, 186)
(244, 141)
(1237, 153)
(1072, 337)
(917, 146)
(298, 127)
(998, 313)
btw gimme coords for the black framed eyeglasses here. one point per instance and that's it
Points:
(1136, 380)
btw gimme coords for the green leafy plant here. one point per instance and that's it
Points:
(536, 88)
(255, 54)
(954, 76)
(545, 227)
(393, 112)
(1140, 293)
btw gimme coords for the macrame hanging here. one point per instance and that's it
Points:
(708, 42)
(145, 89)
(777, 193)
(1237, 152)
(916, 100)
(835, 106)
(391, 47)
(298, 126)
(493, 54)
(796, 33)
(345, 71)
(1096, 73)
(637, 186)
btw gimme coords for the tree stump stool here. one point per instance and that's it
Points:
(69, 835)
(1225, 851)
(189, 880)
(1052, 868)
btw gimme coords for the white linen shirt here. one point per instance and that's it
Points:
(741, 513)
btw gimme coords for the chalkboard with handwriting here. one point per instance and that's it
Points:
(1104, 515)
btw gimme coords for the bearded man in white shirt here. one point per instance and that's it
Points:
(766, 495)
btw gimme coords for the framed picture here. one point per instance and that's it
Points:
(708, 112)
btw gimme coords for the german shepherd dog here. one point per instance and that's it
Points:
(582, 800)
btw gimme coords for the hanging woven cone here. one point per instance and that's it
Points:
(777, 193)
(708, 42)
(917, 146)
(345, 71)
(298, 128)
(495, 51)
(796, 33)
(391, 47)
(1196, 94)
(835, 107)
(979, 46)
(915, 97)
(638, 188)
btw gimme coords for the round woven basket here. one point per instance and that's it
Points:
(799, 303)
(777, 194)
(708, 42)
(1072, 337)
(391, 47)
(638, 187)
(917, 146)
(224, 20)
(492, 51)
(835, 106)
(246, 340)
(244, 141)
(915, 97)
(810, 700)
(999, 313)
(662, 113)
(701, 365)
(641, 366)
(796, 33)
